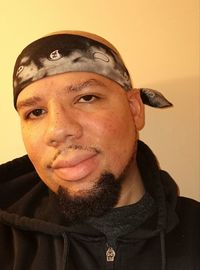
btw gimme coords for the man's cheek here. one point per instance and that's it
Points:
(32, 145)
(108, 125)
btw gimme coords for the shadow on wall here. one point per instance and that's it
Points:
(174, 133)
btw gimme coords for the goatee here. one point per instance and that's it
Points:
(91, 203)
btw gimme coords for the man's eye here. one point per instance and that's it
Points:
(87, 98)
(35, 113)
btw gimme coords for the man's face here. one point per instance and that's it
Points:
(77, 126)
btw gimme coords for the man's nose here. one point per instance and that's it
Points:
(62, 126)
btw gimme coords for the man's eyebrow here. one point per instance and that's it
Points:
(28, 102)
(80, 86)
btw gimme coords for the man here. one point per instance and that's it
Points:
(95, 197)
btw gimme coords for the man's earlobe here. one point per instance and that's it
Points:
(137, 108)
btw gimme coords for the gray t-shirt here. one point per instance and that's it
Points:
(122, 220)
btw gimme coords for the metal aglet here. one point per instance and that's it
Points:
(110, 254)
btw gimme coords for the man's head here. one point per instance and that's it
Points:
(68, 52)
(80, 120)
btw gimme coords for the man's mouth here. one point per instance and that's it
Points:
(75, 165)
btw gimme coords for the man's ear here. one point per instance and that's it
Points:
(137, 108)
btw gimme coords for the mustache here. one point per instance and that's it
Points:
(74, 147)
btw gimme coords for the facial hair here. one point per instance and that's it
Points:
(95, 202)
(91, 203)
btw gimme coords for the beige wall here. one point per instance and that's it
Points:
(159, 40)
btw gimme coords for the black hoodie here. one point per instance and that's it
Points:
(34, 236)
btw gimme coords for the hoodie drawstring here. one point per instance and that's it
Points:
(65, 252)
(163, 253)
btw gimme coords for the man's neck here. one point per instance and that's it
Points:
(132, 187)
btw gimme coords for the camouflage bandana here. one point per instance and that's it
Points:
(61, 53)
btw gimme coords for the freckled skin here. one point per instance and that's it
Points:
(109, 123)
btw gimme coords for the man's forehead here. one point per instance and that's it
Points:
(70, 82)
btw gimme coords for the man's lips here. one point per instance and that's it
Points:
(75, 165)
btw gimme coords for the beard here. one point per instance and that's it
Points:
(91, 203)
(94, 202)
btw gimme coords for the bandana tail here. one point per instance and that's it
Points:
(154, 98)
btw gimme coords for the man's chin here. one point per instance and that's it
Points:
(82, 204)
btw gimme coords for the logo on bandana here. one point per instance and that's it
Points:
(19, 70)
(55, 55)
